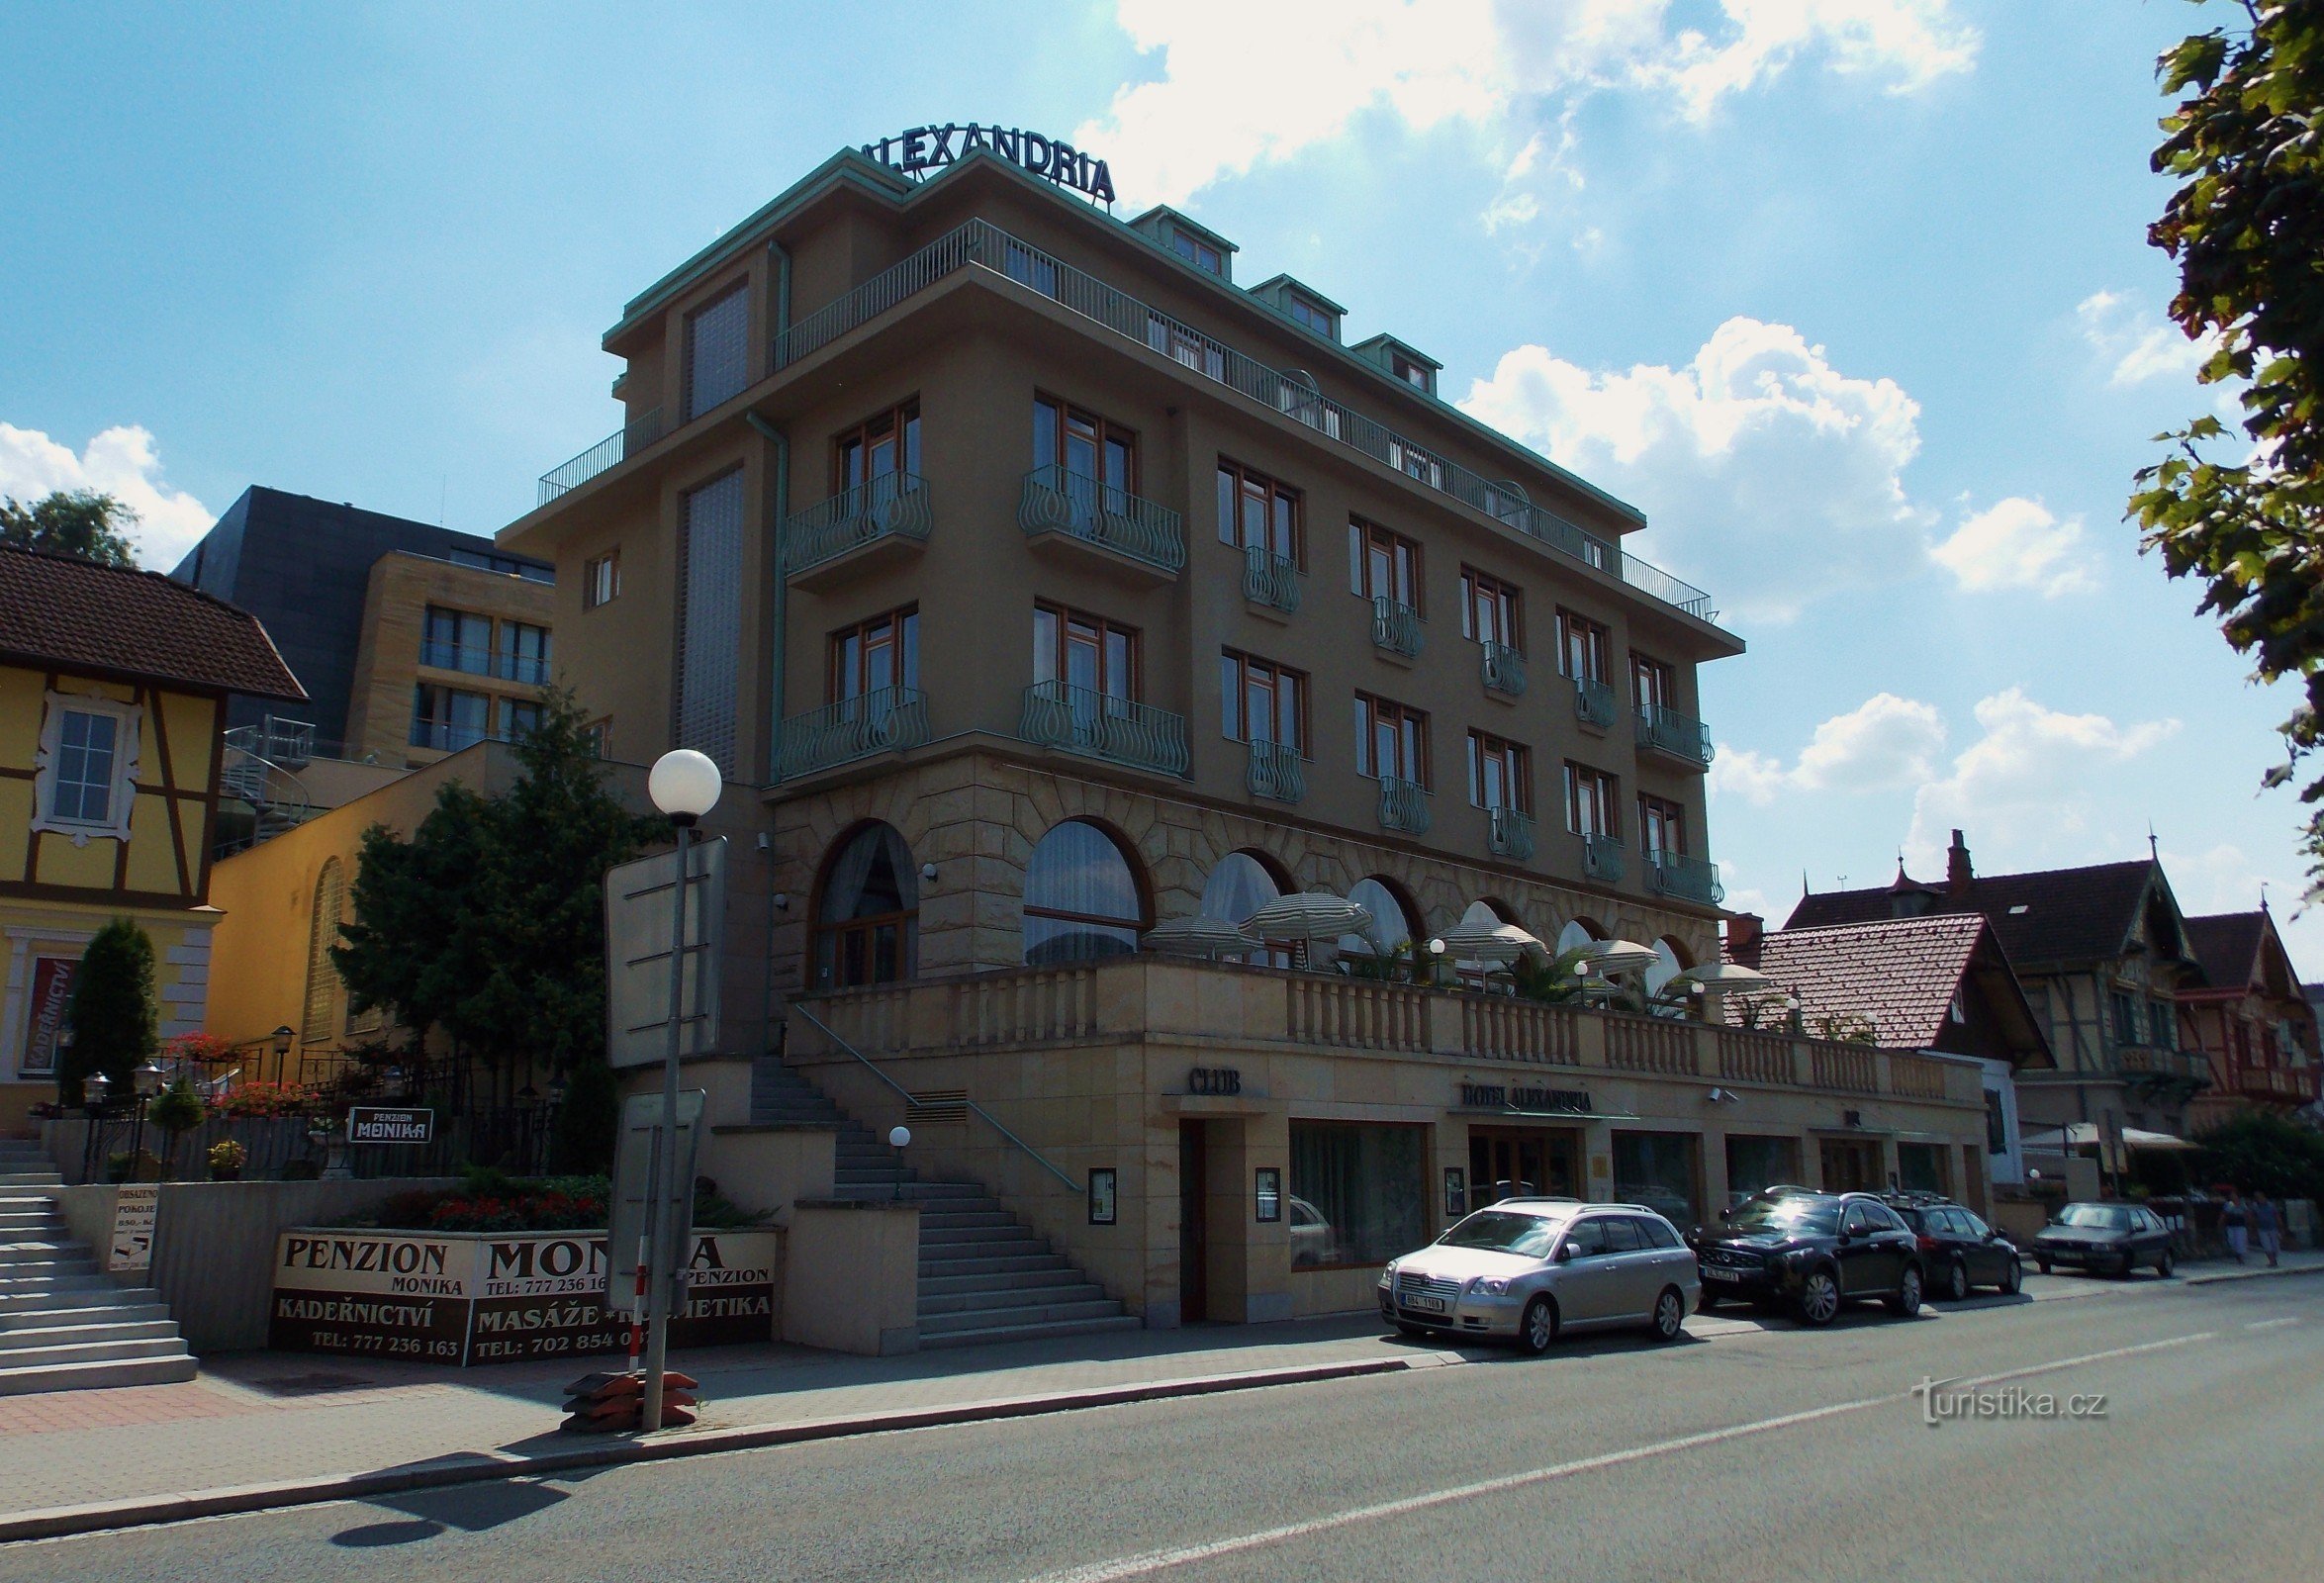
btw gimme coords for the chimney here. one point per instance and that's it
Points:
(1958, 873)
(1744, 930)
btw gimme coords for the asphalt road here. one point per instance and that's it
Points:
(1775, 1452)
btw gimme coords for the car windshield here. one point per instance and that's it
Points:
(2098, 1217)
(1500, 1232)
(1785, 1215)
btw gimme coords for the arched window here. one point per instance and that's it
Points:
(1081, 898)
(1671, 960)
(1239, 886)
(323, 932)
(1391, 924)
(1580, 932)
(867, 924)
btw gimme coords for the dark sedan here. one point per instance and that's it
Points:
(1810, 1252)
(1962, 1252)
(2109, 1238)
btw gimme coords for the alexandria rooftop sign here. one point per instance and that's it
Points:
(925, 148)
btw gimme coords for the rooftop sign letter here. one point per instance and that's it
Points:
(924, 149)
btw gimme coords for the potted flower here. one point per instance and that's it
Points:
(226, 1159)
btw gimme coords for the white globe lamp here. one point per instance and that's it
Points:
(685, 785)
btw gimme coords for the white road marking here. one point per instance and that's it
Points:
(1152, 1562)
(2274, 1324)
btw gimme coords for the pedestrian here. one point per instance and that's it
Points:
(2268, 1221)
(2231, 1221)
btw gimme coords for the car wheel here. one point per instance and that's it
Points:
(1670, 1315)
(2164, 1264)
(1905, 1302)
(2012, 1278)
(1956, 1280)
(2129, 1268)
(1538, 1328)
(1818, 1302)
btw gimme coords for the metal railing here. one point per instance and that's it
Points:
(1602, 858)
(981, 243)
(1277, 772)
(1081, 719)
(891, 506)
(616, 448)
(1503, 667)
(468, 660)
(1396, 627)
(1509, 834)
(883, 720)
(1404, 805)
(1593, 702)
(1687, 878)
(1058, 501)
(1271, 579)
(444, 736)
(1682, 736)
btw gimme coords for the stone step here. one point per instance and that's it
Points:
(39, 1216)
(14, 1321)
(93, 1351)
(997, 1280)
(1028, 1332)
(29, 1179)
(970, 1264)
(94, 1330)
(1003, 1299)
(13, 1276)
(28, 1378)
(954, 1219)
(1013, 1318)
(39, 1251)
(932, 1236)
(69, 1290)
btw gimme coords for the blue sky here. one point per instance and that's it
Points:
(1852, 296)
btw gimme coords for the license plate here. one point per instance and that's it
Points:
(1714, 1272)
(1427, 1305)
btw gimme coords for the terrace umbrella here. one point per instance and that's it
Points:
(1610, 957)
(1498, 944)
(1725, 978)
(1309, 916)
(1197, 936)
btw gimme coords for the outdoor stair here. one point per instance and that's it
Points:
(984, 1275)
(64, 1324)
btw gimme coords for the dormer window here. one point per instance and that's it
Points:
(1201, 254)
(1311, 315)
(1420, 376)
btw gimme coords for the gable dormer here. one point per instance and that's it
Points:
(1402, 361)
(1304, 306)
(1187, 241)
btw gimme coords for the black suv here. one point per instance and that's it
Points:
(1959, 1249)
(1812, 1251)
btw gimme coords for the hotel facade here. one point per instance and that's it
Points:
(1035, 582)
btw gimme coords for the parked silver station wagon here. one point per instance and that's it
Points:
(1526, 1269)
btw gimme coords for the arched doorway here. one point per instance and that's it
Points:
(868, 912)
(1671, 960)
(1243, 882)
(1391, 926)
(1083, 898)
(1578, 933)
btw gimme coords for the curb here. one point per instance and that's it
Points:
(473, 1467)
(2262, 1273)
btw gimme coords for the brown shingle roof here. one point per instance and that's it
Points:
(1900, 973)
(2047, 918)
(61, 610)
(2227, 944)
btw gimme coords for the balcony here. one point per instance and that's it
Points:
(1270, 579)
(610, 452)
(445, 736)
(2153, 1061)
(1396, 627)
(469, 660)
(1593, 703)
(1662, 729)
(886, 719)
(882, 520)
(1509, 834)
(1275, 772)
(1685, 878)
(2282, 1085)
(1404, 805)
(1098, 725)
(1602, 858)
(1504, 669)
(1059, 507)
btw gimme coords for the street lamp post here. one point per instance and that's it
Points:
(685, 786)
(282, 1048)
(148, 1081)
(93, 1088)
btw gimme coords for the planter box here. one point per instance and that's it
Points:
(498, 1298)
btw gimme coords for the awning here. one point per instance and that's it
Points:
(2084, 1134)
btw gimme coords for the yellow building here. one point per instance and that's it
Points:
(113, 691)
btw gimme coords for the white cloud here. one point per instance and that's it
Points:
(1241, 86)
(2018, 543)
(2138, 346)
(121, 462)
(1775, 476)
(1882, 743)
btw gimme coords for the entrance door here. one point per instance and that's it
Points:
(1850, 1166)
(1193, 1225)
(1521, 1163)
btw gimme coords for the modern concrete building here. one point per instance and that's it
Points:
(1035, 586)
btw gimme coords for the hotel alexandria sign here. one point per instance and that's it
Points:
(926, 149)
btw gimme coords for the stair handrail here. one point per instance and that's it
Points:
(990, 1120)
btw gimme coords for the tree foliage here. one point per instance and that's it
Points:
(2245, 227)
(116, 1019)
(83, 522)
(2259, 1152)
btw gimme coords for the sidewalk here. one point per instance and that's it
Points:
(268, 1429)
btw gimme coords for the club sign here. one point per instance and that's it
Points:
(924, 149)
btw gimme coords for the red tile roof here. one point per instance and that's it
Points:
(61, 610)
(2051, 918)
(1899, 973)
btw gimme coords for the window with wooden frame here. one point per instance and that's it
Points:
(874, 655)
(1312, 315)
(1420, 376)
(1592, 802)
(1583, 646)
(882, 444)
(1257, 511)
(601, 582)
(1491, 611)
(1662, 829)
(1391, 741)
(1382, 565)
(1084, 444)
(1085, 651)
(1653, 684)
(1201, 254)
(1262, 701)
(1500, 773)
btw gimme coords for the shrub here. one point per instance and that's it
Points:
(226, 1159)
(261, 1099)
(2263, 1153)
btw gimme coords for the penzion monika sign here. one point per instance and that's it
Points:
(925, 148)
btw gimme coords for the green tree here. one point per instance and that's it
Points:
(83, 522)
(176, 1110)
(116, 1020)
(2245, 227)
(2260, 1151)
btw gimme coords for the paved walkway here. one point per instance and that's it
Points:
(258, 1418)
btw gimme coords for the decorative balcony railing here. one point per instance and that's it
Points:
(1083, 720)
(1271, 579)
(1404, 805)
(1682, 736)
(1396, 627)
(1504, 669)
(1851, 1069)
(446, 736)
(466, 658)
(883, 720)
(1057, 501)
(616, 448)
(2156, 1062)
(1602, 858)
(1509, 834)
(893, 506)
(1593, 703)
(1277, 772)
(1687, 878)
